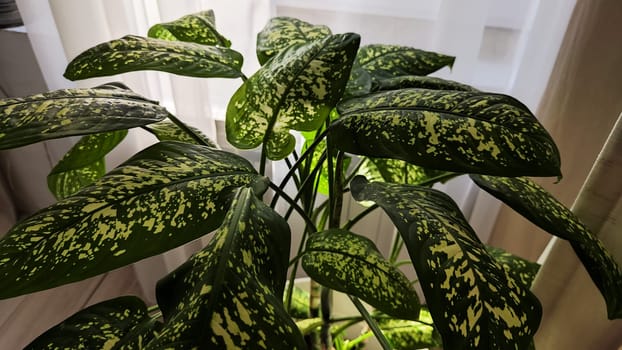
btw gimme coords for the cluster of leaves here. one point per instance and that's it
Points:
(408, 130)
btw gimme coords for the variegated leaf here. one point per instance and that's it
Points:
(134, 53)
(166, 195)
(410, 335)
(299, 307)
(168, 131)
(396, 171)
(381, 62)
(295, 90)
(72, 112)
(197, 28)
(475, 303)
(121, 323)
(283, 32)
(229, 295)
(460, 131)
(360, 82)
(524, 270)
(541, 208)
(421, 82)
(352, 264)
(83, 164)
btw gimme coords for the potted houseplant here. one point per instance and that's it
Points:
(375, 127)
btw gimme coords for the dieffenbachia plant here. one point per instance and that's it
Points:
(375, 127)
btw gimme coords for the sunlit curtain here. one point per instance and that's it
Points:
(503, 45)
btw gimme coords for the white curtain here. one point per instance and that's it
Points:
(503, 45)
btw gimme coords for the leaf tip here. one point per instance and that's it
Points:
(357, 184)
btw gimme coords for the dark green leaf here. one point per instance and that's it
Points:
(72, 112)
(295, 90)
(523, 270)
(197, 28)
(392, 60)
(168, 131)
(229, 295)
(83, 164)
(112, 324)
(352, 264)
(396, 171)
(475, 303)
(283, 32)
(384, 67)
(164, 196)
(134, 53)
(360, 82)
(541, 208)
(460, 131)
(421, 82)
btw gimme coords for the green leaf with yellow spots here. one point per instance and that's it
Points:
(379, 63)
(382, 60)
(295, 90)
(360, 82)
(121, 323)
(169, 131)
(350, 263)
(134, 53)
(421, 82)
(524, 270)
(83, 164)
(540, 207)
(73, 112)
(397, 171)
(229, 295)
(459, 131)
(197, 28)
(409, 335)
(283, 32)
(475, 303)
(299, 304)
(164, 196)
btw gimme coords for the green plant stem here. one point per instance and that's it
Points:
(295, 205)
(354, 342)
(350, 321)
(338, 191)
(294, 268)
(187, 130)
(348, 225)
(296, 165)
(262, 161)
(371, 323)
(243, 77)
(396, 247)
(325, 304)
(294, 177)
(402, 263)
(306, 182)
